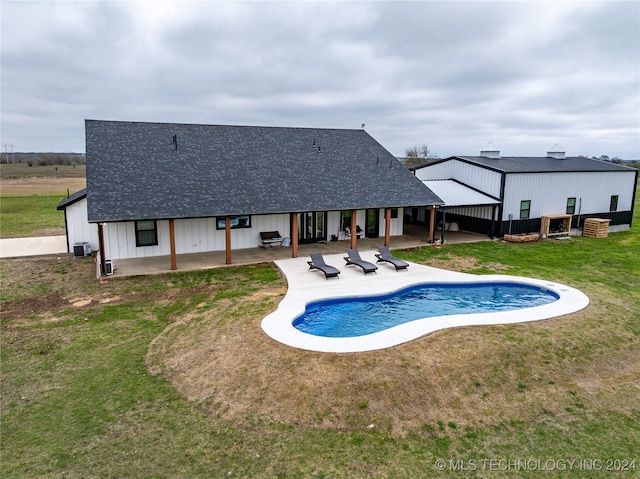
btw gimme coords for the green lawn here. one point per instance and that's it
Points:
(30, 215)
(560, 398)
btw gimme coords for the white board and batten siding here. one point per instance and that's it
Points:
(79, 230)
(482, 179)
(193, 235)
(396, 226)
(549, 192)
(198, 235)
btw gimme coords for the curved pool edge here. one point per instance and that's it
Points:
(306, 286)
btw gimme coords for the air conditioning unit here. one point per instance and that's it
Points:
(81, 249)
(108, 264)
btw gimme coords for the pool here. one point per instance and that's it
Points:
(359, 316)
(305, 288)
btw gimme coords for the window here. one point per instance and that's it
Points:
(146, 233)
(236, 222)
(613, 206)
(525, 209)
(345, 219)
(571, 206)
(394, 212)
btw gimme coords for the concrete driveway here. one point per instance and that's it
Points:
(41, 245)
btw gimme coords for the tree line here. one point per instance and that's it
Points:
(44, 159)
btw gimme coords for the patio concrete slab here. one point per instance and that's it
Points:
(305, 286)
(415, 237)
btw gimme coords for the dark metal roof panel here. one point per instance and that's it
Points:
(135, 170)
(71, 199)
(528, 164)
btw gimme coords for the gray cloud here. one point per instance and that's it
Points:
(453, 75)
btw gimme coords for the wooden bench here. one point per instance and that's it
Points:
(269, 239)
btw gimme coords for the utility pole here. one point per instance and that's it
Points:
(8, 151)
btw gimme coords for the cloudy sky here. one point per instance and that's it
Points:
(452, 75)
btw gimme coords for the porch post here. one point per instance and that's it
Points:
(227, 238)
(294, 235)
(432, 223)
(172, 242)
(103, 259)
(387, 227)
(353, 229)
(444, 226)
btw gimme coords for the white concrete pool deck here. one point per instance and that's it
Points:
(305, 286)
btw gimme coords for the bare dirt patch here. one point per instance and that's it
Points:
(462, 263)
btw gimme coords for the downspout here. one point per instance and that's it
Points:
(579, 214)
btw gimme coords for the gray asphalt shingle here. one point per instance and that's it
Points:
(134, 171)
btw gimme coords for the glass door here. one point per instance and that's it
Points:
(373, 224)
(312, 226)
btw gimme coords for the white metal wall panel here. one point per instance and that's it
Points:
(483, 212)
(482, 179)
(78, 227)
(548, 192)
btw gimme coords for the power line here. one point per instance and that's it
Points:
(8, 151)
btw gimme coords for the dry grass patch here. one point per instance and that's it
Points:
(221, 359)
(41, 186)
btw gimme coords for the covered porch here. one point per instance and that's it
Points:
(415, 236)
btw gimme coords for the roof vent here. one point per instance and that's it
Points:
(491, 151)
(556, 152)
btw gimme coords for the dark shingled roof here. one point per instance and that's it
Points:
(69, 200)
(134, 171)
(542, 164)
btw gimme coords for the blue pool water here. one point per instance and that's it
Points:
(349, 317)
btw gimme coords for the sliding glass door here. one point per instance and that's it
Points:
(312, 226)
(373, 224)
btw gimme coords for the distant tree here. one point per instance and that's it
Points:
(421, 152)
(417, 156)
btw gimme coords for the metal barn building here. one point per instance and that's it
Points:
(527, 188)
